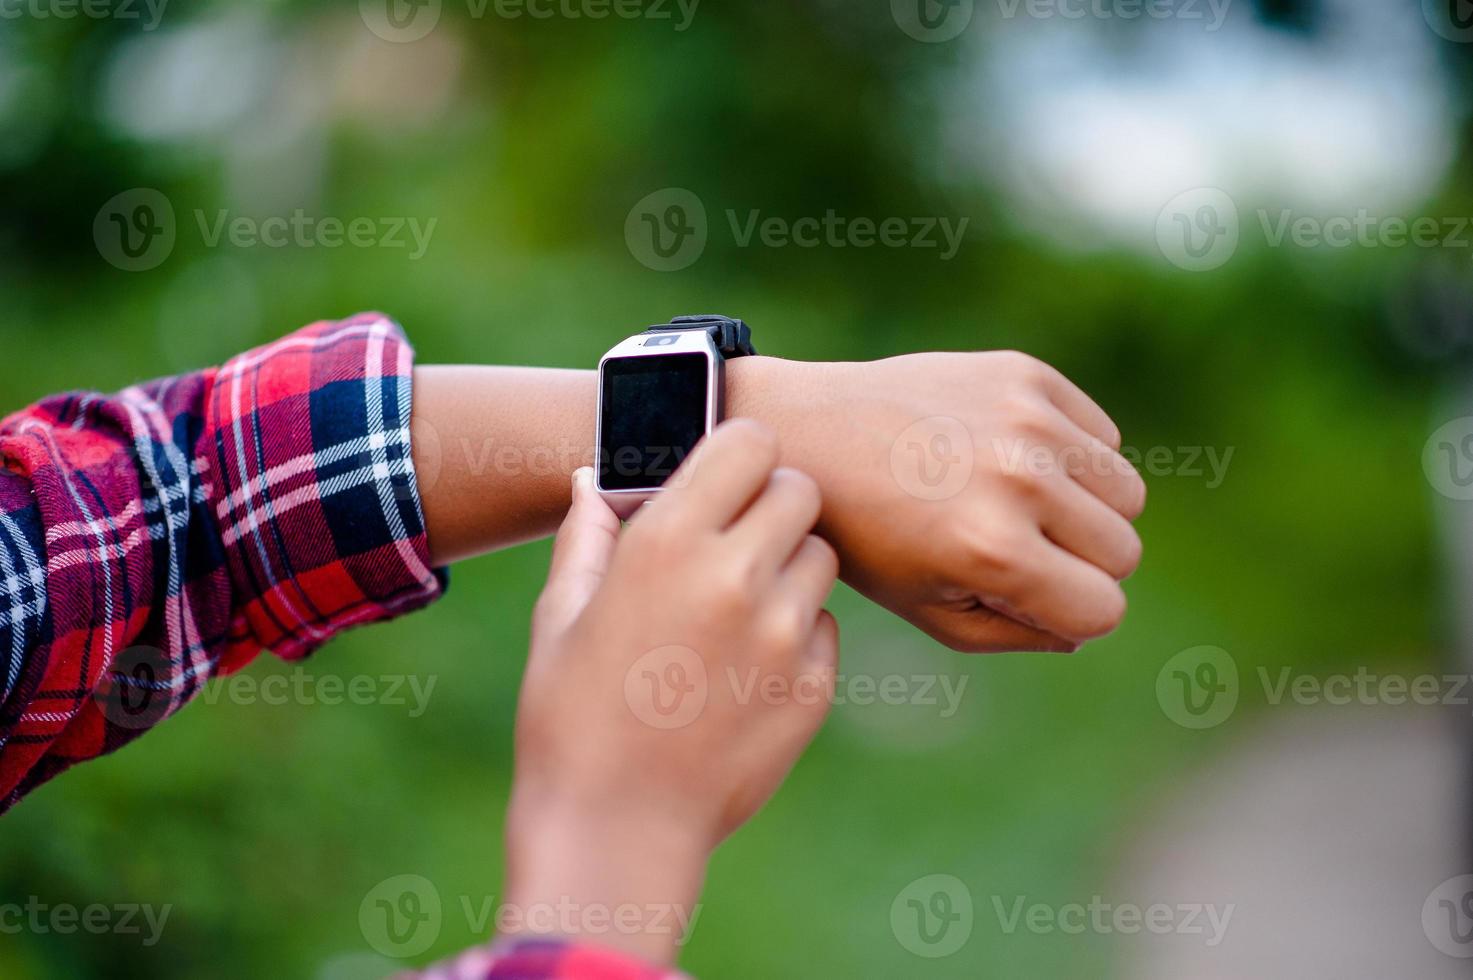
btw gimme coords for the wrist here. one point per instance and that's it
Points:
(623, 880)
(807, 405)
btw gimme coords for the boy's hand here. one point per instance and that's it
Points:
(676, 673)
(981, 496)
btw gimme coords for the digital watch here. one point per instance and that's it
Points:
(660, 392)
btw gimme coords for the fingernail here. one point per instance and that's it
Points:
(582, 477)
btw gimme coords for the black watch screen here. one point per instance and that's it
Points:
(652, 412)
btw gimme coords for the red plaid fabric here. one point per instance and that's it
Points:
(544, 959)
(156, 538)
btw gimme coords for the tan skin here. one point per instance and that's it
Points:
(733, 565)
(1023, 557)
(613, 806)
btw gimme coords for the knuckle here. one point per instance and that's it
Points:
(1021, 365)
(995, 551)
(782, 628)
(1029, 484)
(1035, 419)
(732, 588)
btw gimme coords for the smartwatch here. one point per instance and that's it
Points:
(659, 393)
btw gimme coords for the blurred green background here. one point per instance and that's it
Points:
(528, 141)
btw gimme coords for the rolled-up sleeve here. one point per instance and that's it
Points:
(158, 537)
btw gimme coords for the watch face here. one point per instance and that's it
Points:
(652, 412)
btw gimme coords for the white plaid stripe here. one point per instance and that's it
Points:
(73, 529)
(237, 368)
(249, 523)
(185, 645)
(43, 434)
(31, 575)
(374, 394)
(307, 463)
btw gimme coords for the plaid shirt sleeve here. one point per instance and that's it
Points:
(544, 959)
(156, 538)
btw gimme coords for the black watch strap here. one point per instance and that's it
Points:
(732, 336)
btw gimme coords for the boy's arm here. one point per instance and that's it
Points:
(979, 495)
(160, 536)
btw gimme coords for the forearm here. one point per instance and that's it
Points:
(495, 447)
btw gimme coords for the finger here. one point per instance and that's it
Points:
(1100, 469)
(813, 683)
(810, 576)
(720, 477)
(580, 555)
(1073, 402)
(775, 524)
(987, 630)
(1083, 524)
(1057, 592)
(822, 654)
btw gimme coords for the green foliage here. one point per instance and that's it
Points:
(265, 826)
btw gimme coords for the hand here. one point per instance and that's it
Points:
(979, 495)
(676, 673)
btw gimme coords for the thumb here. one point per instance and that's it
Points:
(580, 555)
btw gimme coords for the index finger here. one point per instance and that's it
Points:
(1073, 402)
(726, 470)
